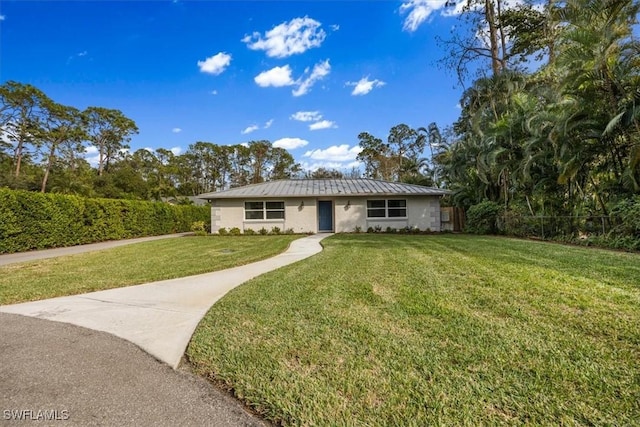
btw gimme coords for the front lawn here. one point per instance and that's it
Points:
(133, 264)
(433, 330)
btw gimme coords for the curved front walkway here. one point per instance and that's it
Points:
(159, 317)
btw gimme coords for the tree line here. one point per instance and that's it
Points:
(44, 145)
(550, 126)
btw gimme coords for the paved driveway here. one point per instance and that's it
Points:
(159, 317)
(87, 377)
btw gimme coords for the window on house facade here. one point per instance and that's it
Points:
(263, 210)
(391, 208)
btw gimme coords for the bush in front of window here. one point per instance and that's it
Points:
(275, 230)
(235, 231)
(263, 231)
(222, 231)
(249, 231)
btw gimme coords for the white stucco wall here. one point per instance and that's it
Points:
(301, 215)
(422, 212)
(349, 212)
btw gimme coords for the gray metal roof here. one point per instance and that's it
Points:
(324, 187)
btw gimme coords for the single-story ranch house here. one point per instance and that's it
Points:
(326, 205)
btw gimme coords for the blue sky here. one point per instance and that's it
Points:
(308, 76)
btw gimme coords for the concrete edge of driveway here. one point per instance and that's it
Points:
(160, 317)
(7, 259)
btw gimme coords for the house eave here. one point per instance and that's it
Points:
(320, 196)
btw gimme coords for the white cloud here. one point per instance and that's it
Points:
(320, 70)
(268, 124)
(290, 143)
(176, 130)
(77, 55)
(91, 149)
(324, 124)
(420, 11)
(215, 64)
(364, 86)
(335, 27)
(250, 129)
(306, 116)
(335, 153)
(214, 92)
(2, 17)
(288, 38)
(276, 77)
(281, 76)
(313, 116)
(176, 150)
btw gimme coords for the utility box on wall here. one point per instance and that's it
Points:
(452, 218)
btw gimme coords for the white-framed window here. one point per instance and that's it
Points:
(387, 208)
(263, 210)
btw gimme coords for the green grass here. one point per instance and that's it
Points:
(133, 264)
(433, 330)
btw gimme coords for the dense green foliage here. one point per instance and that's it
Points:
(559, 141)
(400, 158)
(619, 230)
(627, 217)
(483, 218)
(455, 330)
(30, 220)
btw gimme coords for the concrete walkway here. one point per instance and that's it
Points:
(159, 317)
(72, 250)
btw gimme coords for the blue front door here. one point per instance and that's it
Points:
(325, 215)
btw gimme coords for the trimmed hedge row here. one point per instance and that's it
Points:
(30, 220)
